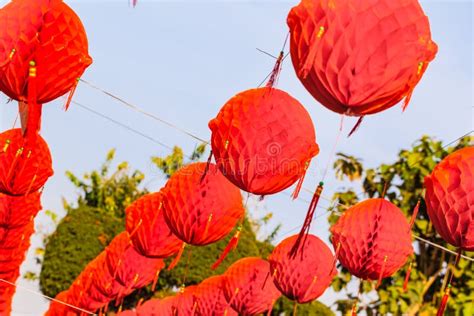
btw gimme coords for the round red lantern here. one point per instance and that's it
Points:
(249, 287)
(263, 140)
(127, 266)
(450, 198)
(148, 230)
(306, 276)
(362, 57)
(210, 298)
(372, 239)
(155, 307)
(201, 207)
(184, 303)
(24, 169)
(43, 52)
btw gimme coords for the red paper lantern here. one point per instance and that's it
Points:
(249, 288)
(24, 169)
(184, 303)
(372, 239)
(18, 211)
(201, 207)
(127, 266)
(155, 307)
(450, 198)
(304, 277)
(210, 298)
(360, 57)
(43, 52)
(148, 230)
(263, 140)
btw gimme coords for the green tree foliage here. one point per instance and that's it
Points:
(80, 236)
(87, 229)
(402, 181)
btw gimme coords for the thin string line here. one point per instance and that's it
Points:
(142, 111)
(46, 297)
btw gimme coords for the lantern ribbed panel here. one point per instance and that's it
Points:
(155, 307)
(201, 212)
(18, 211)
(262, 140)
(367, 233)
(49, 33)
(147, 227)
(211, 300)
(360, 57)
(306, 276)
(450, 198)
(23, 169)
(248, 286)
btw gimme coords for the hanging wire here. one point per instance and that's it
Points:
(142, 111)
(46, 297)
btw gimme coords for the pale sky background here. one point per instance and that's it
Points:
(181, 60)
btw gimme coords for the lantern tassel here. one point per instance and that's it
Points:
(296, 193)
(407, 277)
(71, 94)
(382, 271)
(307, 222)
(155, 280)
(276, 71)
(206, 170)
(356, 126)
(444, 302)
(177, 258)
(230, 247)
(34, 109)
(415, 214)
(307, 65)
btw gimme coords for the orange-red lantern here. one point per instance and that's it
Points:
(305, 277)
(210, 298)
(148, 230)
(127, 266)
(155, 307)
(372, 239)
(360, 57)
(450, 198)
(249, 287)
(201, 207)
(43, 52)
(24, 168)
(263, 140)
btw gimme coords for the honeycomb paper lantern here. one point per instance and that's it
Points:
(450, 198)
(43, 52)
(305, 277)
(24, 169)
(210, 298)
(201, 207)
(148, 230)
(372, 239)
(249, 288)
(155, 307)
(360, 57)
(263, 140)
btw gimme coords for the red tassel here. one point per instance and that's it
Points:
(276, 71)
(71, 94)
(415, 214)
(407, 277)
(356, 126)
(382, 271)
(34, 109)
(296, 193)
(444, 302)
(155, 281)
(230, 247)
(308, 61)
(177, 258)
(307, 222)
(9, 59)
(206, 170)
(269, 313)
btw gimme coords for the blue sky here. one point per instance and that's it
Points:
(181, 60)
